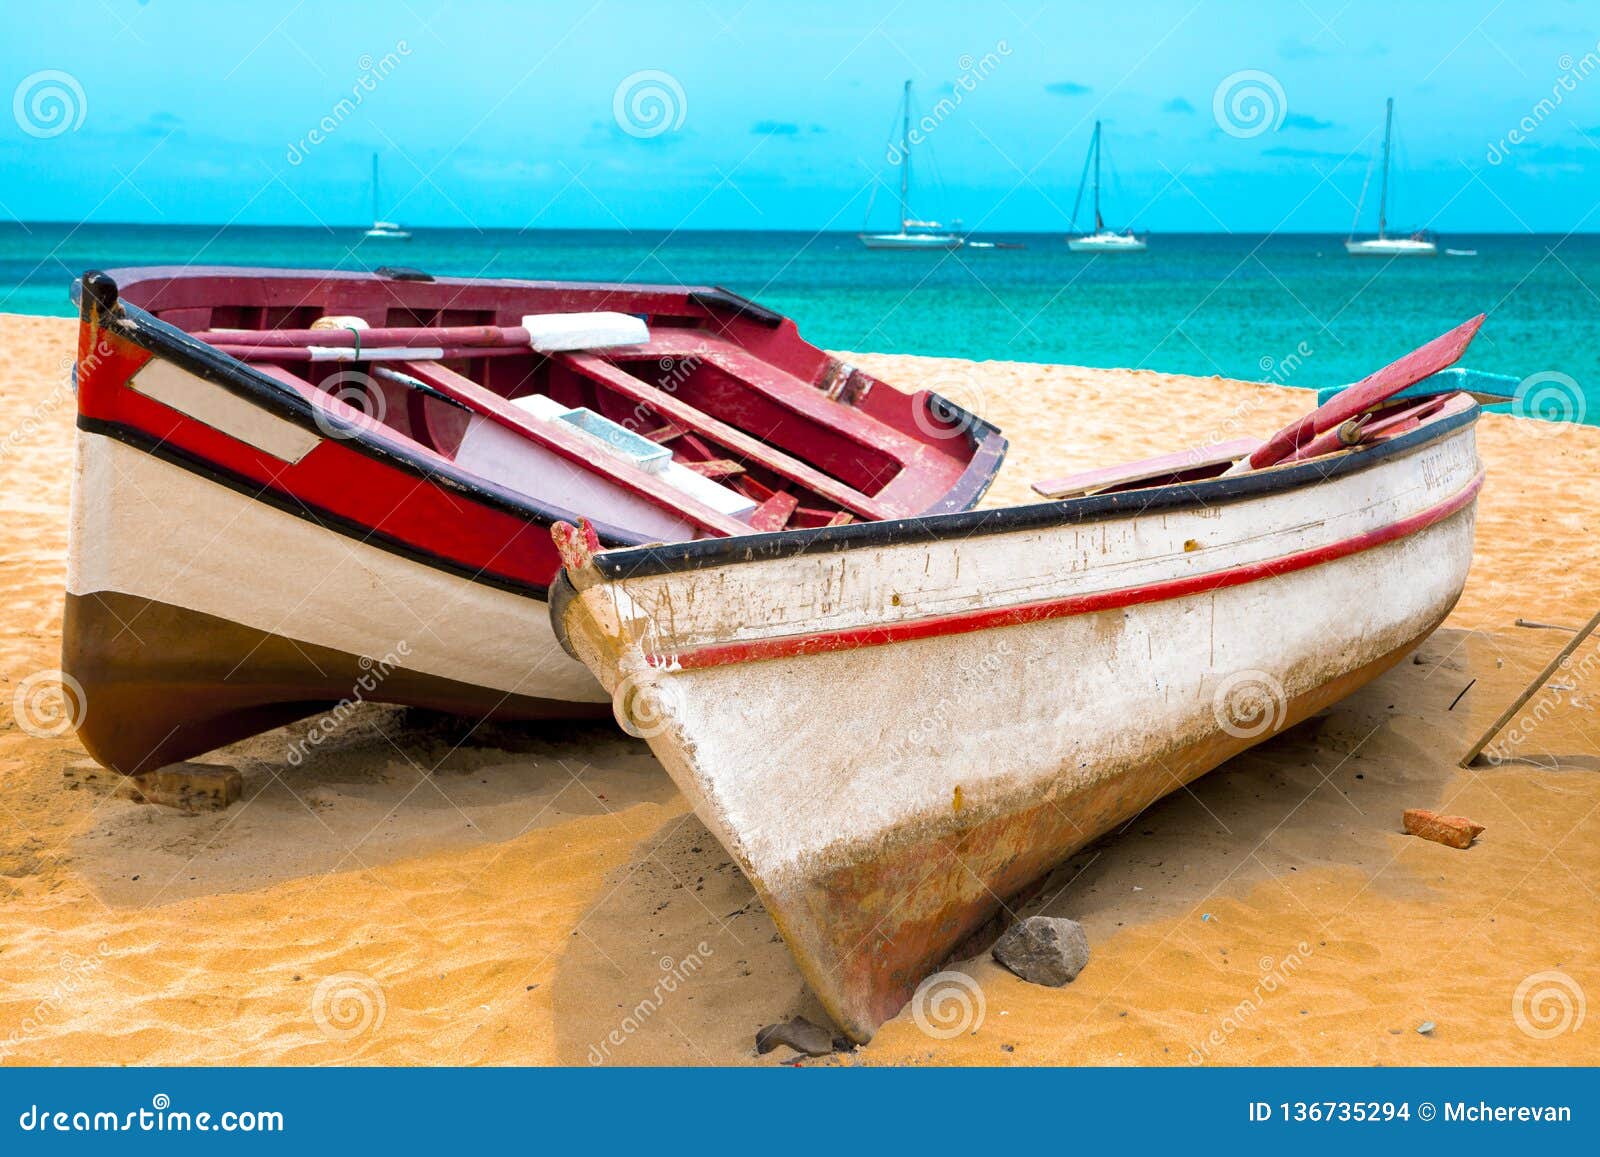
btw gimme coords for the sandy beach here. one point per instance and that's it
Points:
(418, 892)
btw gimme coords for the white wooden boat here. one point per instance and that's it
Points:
(912, 234)
(1103, 239)
(893, 727)
(1383, 245)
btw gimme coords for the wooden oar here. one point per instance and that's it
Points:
(1543, 677)
(372, 353)
(547, 332)
(1439, 354)
(448, 335)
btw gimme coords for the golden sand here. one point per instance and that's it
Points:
(545, 896)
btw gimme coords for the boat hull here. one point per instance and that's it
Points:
(911, 241)
(246, 548)
(1117, 243)
(1389, 247)
(937, 721)
(246, 617)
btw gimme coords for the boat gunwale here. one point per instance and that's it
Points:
(701, 656)
(662, 559)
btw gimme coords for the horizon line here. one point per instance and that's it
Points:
(364, 226)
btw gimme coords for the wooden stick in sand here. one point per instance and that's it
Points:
(1543, 677)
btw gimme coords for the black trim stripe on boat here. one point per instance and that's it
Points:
(319, 516)
(721, 300)
(657, 559)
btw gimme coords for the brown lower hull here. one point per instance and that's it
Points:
(867, 933)
(164, 683)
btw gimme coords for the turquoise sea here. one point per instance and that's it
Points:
(1286, 307)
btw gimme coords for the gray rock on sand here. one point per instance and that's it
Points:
(799, 1034)
(1049, 950)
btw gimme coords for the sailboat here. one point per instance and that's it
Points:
(1416, 245)
(380, 227)
(913, 234)
(1102, 240)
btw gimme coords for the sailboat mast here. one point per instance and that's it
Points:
(1097, 222)
(375, 216)
(1383, 192)
(905, 159)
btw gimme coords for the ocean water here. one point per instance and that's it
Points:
(1292, 308)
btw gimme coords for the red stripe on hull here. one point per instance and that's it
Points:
(788, 646)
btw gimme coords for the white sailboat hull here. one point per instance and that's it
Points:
(911, 241)
(1390, 247)
(1106, 243)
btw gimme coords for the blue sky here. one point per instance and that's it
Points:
(777, 114)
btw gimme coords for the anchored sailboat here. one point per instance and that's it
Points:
(380, 227)
(1102, 240)
(913, 234)
(1417, 244)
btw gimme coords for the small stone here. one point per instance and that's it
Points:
(1452, 831)
(1426, 1027)
(799, 1034)
(191, 787)
(1048, 950)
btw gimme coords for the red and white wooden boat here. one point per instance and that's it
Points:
(295, 488)
(894, 726)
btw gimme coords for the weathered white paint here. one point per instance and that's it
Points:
(144, 527)
(213, 405)
(806, 766)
